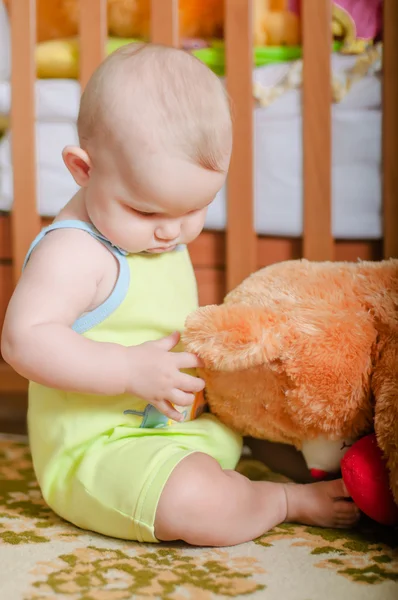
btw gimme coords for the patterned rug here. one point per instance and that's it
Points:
(44, 558)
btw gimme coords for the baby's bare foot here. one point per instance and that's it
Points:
(325, 504)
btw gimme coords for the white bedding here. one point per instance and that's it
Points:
(356, 161)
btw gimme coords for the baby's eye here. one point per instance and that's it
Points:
(145, 214)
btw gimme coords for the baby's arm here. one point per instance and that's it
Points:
(62, 281)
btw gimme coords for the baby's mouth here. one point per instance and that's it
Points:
(160, 249)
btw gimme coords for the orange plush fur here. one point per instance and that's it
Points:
(58, 19)
(302, 350)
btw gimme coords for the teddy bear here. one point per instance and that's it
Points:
(306, 353)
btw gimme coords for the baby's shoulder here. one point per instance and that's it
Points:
(72, 250)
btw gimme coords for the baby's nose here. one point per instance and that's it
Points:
(168, 231)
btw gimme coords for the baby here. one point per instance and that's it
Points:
(119, 439)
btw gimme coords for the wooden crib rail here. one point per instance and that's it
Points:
(25, 220)
(317, 131)
(241, 246)
(390, 128)
(241, 240)
(93, 34)
(164, 22)
(318, 242)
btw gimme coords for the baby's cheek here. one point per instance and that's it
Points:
(194, 226)
(137, 236)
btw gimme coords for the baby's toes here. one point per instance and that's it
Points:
(345, 524)
(347, 514)
(337, 489)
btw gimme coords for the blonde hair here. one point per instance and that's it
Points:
(161, 95)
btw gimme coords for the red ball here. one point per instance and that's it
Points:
(365, 475)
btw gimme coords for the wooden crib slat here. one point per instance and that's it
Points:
(93, 35)
(317, 136)
(25, 221)
(164, 22)
(390, 129)
(241, 239)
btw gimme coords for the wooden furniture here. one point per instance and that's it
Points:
(221, 260)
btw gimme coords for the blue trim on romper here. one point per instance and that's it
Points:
(99, 314)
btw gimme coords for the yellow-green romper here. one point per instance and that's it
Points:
(102, 461)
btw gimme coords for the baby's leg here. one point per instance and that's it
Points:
(206, 506)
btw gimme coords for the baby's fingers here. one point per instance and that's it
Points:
(181, 398)
(167, 409)
(185, 360)
(188, 383)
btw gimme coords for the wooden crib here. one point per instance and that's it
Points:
(221, 260)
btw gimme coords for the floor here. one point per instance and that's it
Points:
(44, 558)
(13, 413)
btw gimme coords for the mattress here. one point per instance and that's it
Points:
(356, 156)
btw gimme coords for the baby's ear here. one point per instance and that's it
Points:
(234, 337)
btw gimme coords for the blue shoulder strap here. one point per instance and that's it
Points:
(99, 314)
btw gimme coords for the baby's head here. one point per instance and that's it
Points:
(155, 143)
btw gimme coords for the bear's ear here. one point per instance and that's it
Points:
(234, 337)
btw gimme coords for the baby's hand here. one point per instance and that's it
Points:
(154, 375)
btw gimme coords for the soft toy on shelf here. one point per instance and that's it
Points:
(357, 23)
(307, 354)
(58, 19)
(55, 19)
(275, 24)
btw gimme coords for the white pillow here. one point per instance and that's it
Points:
(5, 46)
